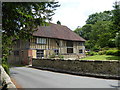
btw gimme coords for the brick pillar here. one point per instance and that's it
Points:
(30, 57)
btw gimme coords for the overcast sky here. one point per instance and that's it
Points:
(74, 13)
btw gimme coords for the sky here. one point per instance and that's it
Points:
(74, 13)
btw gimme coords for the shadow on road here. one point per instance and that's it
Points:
(115, 86)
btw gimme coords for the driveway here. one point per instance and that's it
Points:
(35, 78)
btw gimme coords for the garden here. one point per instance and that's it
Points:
(103, 54)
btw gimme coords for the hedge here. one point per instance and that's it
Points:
(113, 52)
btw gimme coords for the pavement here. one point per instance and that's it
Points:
(35, 78)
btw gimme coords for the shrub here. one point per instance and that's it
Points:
(117, 53)
(110, 52)
(91, 53)
(101, 52)
(95, 48)
(105, 48)
(5, 65)
(6, 68)
(52, 56)
(60, 56)
(113, 52)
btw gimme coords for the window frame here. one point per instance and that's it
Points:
(42, 41)
(56, 51)
(40, 54)
(68, 49)
(81, 52)
(69, 45)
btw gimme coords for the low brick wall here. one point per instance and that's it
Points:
(101, 68)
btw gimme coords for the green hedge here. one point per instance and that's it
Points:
(113, 52)
(91, 53)
(110, 52)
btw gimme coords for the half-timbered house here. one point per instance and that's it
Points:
(47, 41)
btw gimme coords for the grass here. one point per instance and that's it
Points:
(101, 57)
(16, 65)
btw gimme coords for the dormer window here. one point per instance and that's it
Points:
(41, 41)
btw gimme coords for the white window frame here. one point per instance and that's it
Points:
(41, 41)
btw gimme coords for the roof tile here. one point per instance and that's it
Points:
(57, 31)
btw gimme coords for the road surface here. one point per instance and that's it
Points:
(35, 78)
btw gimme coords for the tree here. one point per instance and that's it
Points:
(97, 30)
(117, 40)
(116, 18)
(101, 33)
(78, 30)
(86, 30)
(20, 20)
(102, 16)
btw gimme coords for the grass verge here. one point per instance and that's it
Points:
(101, 57)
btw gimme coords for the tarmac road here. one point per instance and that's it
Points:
(35, 78)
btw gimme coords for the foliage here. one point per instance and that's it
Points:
(91, 53)
(113, 52)
(116, 17)
(52, 56)
(101, 28)
(60, 56)
(78, 31)
(105, 48)
(5, 65)
(85, 32)
(19, 20)
(102, 16)
(101, 33)
(98, 34)
(101, 52)
(95, 48)
(117, 40)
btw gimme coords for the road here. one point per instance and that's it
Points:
(35, 78)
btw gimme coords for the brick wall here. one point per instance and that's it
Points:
(93, 67)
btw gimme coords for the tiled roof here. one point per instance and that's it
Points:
(57, 31)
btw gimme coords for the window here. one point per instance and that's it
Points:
(69, 50)
(81, 43)
(41, 40)
(56, 52)
(69, 47)
(40, 53)
(80, 51)
(16, 53)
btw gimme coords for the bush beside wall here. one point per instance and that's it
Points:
(93, 67)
